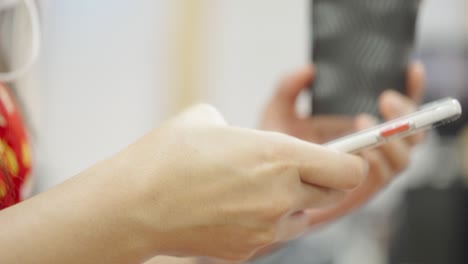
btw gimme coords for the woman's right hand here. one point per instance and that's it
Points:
(203, 188)
(193, 187)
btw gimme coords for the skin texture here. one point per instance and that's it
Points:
(193, 187)
(385, 162)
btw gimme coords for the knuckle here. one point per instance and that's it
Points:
(273, 151)
(285, 205)
(209, 111)
(285, 172)
(278, 208)
(279, 165)
(207, 108)
(277, 146)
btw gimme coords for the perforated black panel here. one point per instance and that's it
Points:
(360, 48)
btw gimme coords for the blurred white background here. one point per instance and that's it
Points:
(109, 68)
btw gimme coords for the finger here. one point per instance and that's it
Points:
(327, 127)
(317, 197)
(416, 82)
(397, 154)
(416, 138)
(364, 121)
(380, 171)
(333, 170)
(286, 95)
(415, 91)
(324, 167)
(393, 105)
(379, 175)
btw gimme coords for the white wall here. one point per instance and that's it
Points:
(102, 78)
(254, 44)
(443, 23)
(106, 67)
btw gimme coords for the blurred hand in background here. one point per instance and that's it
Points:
(385, 162)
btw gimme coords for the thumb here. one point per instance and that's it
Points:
(286, 95)
(393, 105)
(416, 82)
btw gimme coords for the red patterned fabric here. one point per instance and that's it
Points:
(15, 154)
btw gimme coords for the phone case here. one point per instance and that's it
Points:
(431, 115)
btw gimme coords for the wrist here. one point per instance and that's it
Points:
(87, 219)
(119, 206)
(106, 202)
(136, 204)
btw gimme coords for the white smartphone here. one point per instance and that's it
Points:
(431, 115)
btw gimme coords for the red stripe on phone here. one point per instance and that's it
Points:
(388, 132)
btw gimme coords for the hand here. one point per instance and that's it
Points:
(385, 161)
(208, 189)
(193, 187)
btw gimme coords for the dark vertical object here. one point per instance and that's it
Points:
(360, 48)
(434, 229)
